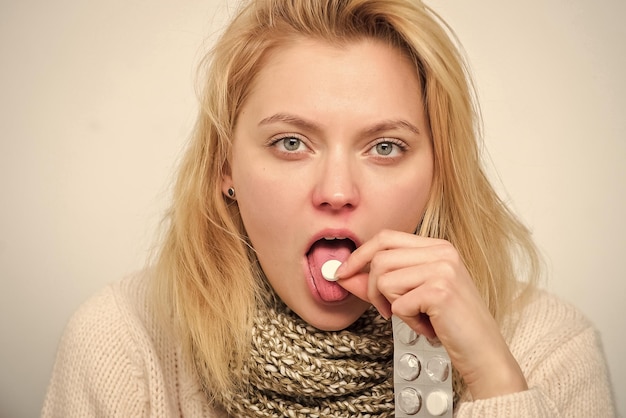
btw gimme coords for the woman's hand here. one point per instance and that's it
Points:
(424, 282)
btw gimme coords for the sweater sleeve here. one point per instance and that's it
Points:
(97, 372)
(563, 361)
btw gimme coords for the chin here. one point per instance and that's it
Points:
(332, 319)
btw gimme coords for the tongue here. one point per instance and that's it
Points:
(321, 252)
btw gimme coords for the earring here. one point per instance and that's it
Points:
(231, 192)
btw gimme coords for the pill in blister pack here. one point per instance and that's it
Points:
(422, 375)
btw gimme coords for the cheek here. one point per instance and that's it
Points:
(260, 204)
(268, 207)
(270, 215)
(405, 201)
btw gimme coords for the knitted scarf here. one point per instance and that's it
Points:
(296, 370)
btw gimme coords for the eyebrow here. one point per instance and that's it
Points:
(389, 125)
(292, 120)
(383, 126)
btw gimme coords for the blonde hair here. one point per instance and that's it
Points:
(207, 275)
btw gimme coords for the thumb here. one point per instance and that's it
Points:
(357, 285)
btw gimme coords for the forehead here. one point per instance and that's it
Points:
(320, 73)
(313, 51)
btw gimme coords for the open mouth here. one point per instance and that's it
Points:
(322, 251)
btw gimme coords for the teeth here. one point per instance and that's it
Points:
(333, 238)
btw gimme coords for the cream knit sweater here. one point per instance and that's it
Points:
(114, 360)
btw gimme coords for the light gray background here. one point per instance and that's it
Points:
(97, 99)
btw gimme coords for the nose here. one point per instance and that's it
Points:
(337, 185)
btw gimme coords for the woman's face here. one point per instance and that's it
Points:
(330, 147)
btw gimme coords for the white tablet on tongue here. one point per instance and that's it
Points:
(329, 268)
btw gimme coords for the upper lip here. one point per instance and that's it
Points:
(334, 233)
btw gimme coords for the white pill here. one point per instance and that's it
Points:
(437, 403)
(329, 269)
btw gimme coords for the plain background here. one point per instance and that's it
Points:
(97, 100)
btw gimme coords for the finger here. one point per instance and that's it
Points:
(359, 285)
(383, 289)
(384, 240)
(396, 283)
(421, 325)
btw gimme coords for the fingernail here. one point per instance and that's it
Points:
(385, 316)
(339, 271)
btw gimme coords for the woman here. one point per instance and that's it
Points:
(341, 129)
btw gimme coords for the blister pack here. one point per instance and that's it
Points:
(422, 375)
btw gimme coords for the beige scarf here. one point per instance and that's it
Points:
(296, 370)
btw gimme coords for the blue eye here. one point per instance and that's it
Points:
(388, 148)
(291, 143)
(384, 148)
